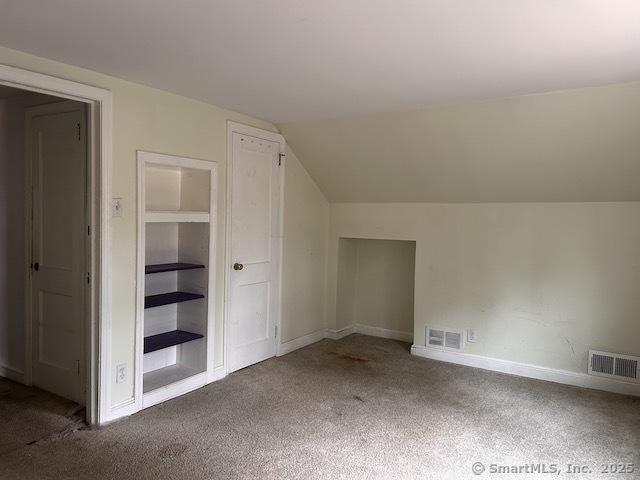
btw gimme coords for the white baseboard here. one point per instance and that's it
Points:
(174, 390)
(530, 371)
(338, 334)
(383, 332)
(300, 342)
(314, 337)
(218, 374)
(12, 374)
(129, 406)
(121, 410)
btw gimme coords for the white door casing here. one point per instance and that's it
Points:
(57, 151)
(97, 340)
(254, 249)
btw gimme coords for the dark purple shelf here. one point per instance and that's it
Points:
(168, 339)
(151, 301)
(170, 267)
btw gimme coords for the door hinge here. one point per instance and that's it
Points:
(89, 230)
(79, 137)
(280, 155)
(78, 367)
(88, 277)
(276, 331)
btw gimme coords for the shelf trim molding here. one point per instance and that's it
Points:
(176, 217)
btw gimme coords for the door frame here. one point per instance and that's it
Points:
(31, 113)
(99, 173)
(234, 127)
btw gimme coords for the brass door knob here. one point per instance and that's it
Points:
(238, 266)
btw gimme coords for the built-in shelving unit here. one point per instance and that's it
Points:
(175, 292)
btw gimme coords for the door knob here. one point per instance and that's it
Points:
(36, 266)
(238, 266)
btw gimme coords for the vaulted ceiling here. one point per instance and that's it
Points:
(295, 60)
(329, 73)
(575, 146)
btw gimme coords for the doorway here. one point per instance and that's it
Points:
(43, 158)
(95, 339)
(254, 245)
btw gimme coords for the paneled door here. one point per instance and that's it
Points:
(57, 153)
(254, 250)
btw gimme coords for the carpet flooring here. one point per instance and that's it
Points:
(356, 408)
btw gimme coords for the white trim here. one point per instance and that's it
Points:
(120, 410)
(340, 333)
(12, 374)
(527, 370)
(99, 190)
(234, 127)
(383, 332)
(172, 217)
(140, 399)
(218, 373)
(314, 337)
(174, 390)
(300, 342)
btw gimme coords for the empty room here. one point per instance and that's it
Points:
(309, 240)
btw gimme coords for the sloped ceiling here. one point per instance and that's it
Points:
(299, 60)
(574, 146)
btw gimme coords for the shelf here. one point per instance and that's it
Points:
(170, 267)
(168, 339)
(166, 376)
(151, 301)
(176, 217)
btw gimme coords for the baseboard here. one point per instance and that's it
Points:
(300, 342)
(338, 334)
(120, 410)
(12, 374)
(218, 373)
(383, 333)
(527, 370)
(314, 337)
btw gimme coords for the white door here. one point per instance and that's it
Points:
(254, 250)
(56, 144)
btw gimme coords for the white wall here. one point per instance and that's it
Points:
(145, 118)
(571, 146)
(542, 283)
(12, 241)
(306, 228)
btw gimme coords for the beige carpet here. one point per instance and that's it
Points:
(361, 407)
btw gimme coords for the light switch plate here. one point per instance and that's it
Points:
(116, 207)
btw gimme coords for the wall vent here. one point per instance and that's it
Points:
(444, 338)
(614, 365)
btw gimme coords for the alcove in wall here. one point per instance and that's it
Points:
(376, 284)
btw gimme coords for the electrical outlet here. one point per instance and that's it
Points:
(121, 373)
(472, 335)
(116, 207)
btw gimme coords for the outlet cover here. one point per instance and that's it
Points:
(121, 373)
(472, 335)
